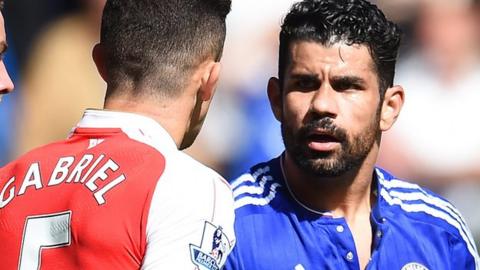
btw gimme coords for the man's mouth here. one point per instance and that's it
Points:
(322, 141)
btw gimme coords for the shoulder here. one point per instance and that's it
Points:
(181, 170)
(188, 169)
(34, 155)
(258, 187)
(190, 205)
(422, 207)
(187, 184)
(417, 202)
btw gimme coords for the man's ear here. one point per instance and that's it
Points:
(391, 107)
(209, 80)
(98, 55)
(275, 97)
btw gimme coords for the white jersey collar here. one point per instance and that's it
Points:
(135, 125)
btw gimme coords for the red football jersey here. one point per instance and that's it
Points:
(117, 194)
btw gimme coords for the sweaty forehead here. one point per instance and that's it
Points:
(313, 57)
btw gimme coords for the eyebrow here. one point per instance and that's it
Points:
(339, 79)
(349, 80)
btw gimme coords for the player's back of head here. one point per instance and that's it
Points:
(152, 47)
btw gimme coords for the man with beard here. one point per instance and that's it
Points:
(323, 204)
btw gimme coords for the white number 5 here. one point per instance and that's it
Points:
(45, 231)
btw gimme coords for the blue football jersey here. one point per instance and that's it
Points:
(412, 228)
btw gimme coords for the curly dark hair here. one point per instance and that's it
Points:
(349, 21)
(155, 44)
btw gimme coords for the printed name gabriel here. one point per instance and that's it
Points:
(87, 172)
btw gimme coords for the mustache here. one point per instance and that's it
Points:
(327, 126)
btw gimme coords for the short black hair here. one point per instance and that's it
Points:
(349, 21)
(155, 44)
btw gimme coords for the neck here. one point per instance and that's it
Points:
(170, 114)
(348, 195)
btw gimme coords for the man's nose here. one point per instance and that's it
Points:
(6, 84)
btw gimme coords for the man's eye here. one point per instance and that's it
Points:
(342, 86)
(307, 84)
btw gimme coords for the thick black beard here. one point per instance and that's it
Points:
(352, 153)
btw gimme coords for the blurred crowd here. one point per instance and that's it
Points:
(435, 142)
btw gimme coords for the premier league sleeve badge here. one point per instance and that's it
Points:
(213, 250)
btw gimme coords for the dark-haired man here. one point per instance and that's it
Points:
(323, 204)
(6, 84)
(118, 193)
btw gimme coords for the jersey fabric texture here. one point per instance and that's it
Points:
(117, 194)
(412, 228)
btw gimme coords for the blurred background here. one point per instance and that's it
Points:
(435, 142)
